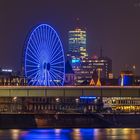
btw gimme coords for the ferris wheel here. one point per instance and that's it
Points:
(44, 62)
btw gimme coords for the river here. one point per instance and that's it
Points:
(71, 134)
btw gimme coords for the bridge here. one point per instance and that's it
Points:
(69, 91)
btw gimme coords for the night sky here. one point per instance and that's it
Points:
(113, 25)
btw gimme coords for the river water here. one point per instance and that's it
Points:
(71, 134)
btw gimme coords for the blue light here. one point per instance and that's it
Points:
(75, 60)
(44, 58)
(127, 80)
(87, 97)
(47, 134)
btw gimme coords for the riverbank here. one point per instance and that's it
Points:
(24, 121)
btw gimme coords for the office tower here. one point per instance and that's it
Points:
(77, 48)
(77, 43)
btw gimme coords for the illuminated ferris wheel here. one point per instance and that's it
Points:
(44, 62)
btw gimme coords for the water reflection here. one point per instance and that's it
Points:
(15, 134)
(71, 134)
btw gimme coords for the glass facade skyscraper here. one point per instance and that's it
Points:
(77, 48)
(77, 43)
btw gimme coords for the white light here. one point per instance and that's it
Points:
(77, 100)
(6, 70)
(57, 99)
(15, 98)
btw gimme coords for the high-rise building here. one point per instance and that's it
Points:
(77, 47)
(77, 43)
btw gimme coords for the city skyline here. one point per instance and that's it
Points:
(114, 26)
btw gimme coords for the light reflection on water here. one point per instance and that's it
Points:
(71, 134)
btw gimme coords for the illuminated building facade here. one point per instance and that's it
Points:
(122, 104)
(10, 78)
(77, 43)
(77, 48)
(89, 66)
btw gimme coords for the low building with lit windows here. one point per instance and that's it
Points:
(10, 78)
(89, 66)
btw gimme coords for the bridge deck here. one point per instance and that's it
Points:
(69, 91)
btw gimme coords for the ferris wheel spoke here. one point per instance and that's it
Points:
(34, 46)
(56, 60)
(54, 52)
(50, 77)
(29, 60)
(54, 78)
(48, 44)
(53, 48)
(39, 35)
(31, 70)
(33, 66)
(58, 67)
(57, 76)
(58, 63)
(48, 52)
(32, 75)
(39, 78)
(51, 37)
(57, 57)
(33, 55)
(54, 41)
(50, 41)
(57, 72)
(32, 58)
(36, 38)
(35, 78)
(34, 81)
(41, 32)
(29, 81)
(45, 29)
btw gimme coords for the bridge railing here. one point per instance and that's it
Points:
(69, 91)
